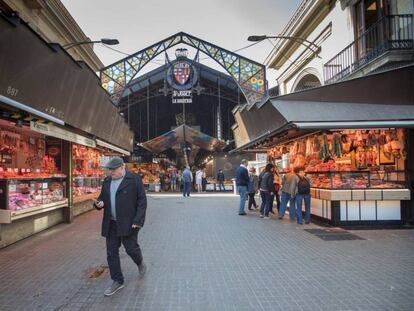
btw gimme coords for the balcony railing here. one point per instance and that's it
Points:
(392, 32)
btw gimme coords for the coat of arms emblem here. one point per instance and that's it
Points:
(182, 72)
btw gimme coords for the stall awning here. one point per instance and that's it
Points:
(353, 114)
(44, 80)
(330, 107)
(181, 135)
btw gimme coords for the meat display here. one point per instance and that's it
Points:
(348, 159)
(24, 195)
(88, 176)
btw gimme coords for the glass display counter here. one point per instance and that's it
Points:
(358, 179)
(22, 197)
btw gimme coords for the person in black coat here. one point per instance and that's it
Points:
(267, 189)
(124, 204)
(221, 179)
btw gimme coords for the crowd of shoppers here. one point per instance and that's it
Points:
(293, 188)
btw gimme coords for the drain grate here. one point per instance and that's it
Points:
(333, 234)
(97, 272)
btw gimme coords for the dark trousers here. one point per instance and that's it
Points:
(266, 203)
(221, 186)
(113, 243)
(203, 184)
(186, 188)
(252, 201)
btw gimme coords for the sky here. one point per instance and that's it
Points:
(138, 24)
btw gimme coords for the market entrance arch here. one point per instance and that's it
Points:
(200, 128)
(249, 75)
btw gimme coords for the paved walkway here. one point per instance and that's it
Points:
(203, 256)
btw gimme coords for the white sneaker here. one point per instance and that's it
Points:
(113, 288)
(261, 216)
(266, 217)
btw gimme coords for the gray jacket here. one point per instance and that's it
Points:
(253, 183)
(290, 184)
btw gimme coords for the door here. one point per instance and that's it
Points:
(369, 28)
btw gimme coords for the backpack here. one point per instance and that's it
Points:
(303, 186)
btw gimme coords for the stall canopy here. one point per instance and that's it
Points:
(380, 100)
(44, 80)
(182, 136)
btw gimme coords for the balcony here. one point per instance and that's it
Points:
(390, 33)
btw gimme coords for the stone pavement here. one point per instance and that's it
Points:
(202, 256)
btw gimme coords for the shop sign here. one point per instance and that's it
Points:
(261, 157)
(54, 131)
(182, 76)
(182, 97)
(112, 147)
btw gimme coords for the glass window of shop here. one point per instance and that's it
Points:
(348, 159)
(87, 171)
(30, 168)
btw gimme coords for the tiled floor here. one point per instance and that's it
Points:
(202, 256)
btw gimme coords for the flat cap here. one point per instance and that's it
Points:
(115, 162)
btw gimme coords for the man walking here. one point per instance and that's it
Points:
(187, 180)
(242, 181)
(124, 202)
(220, 179)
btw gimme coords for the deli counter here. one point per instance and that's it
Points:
(22, 197)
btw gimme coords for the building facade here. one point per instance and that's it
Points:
(339, 40)
(52, 21)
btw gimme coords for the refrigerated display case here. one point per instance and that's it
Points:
(20, 197)
(358, 179)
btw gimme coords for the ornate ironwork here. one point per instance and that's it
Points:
(250, 76)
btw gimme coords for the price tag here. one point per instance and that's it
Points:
(44, 186)
(12, 188)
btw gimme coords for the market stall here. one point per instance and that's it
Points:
(356, 175)
(40, 118)
(355, 140)
(149, 173)
(31, 178)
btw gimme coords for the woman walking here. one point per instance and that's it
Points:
(266, 190)
(252, 188)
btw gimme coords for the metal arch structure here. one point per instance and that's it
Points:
(249, 75)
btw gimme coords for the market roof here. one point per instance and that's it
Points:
(158, 74)
(310, 111)
(50, 84)
(181, 135)
(381, 100)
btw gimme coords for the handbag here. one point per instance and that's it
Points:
(277, 187)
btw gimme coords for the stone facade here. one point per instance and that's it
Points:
(329, 25)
